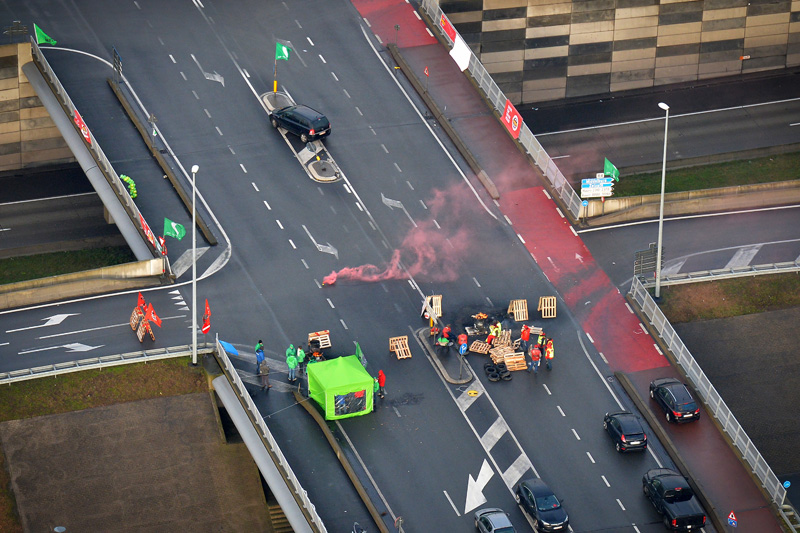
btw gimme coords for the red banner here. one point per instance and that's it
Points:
(83, 127)
(149, 233)
(512, 120)
(448, 28)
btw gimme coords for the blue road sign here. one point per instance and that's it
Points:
(585, 203)
(597, 182)
(462, 349)
(732, 519)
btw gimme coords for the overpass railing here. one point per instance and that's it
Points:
(238, 386)
(712, 399)
(723, 273)
(498, 99)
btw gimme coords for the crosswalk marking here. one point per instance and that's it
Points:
(743, 256)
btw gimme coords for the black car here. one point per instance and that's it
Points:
(675, 399)
(671, 495)
(626, 431)
(536, 499)
(493, 520)
(306, 123)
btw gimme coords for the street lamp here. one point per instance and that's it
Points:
(195, 169)
(665, 107)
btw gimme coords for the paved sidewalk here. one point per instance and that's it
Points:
(596, 303)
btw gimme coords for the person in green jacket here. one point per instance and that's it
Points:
(291, 362)
(301, 359)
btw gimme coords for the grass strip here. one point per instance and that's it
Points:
(84, 390)
(30, 267)
(730, 297)
(782, 167)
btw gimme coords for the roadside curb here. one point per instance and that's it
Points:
(425, 344)
(670, 447)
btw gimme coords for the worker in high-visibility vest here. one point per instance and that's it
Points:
(494, 331)
(549, 354)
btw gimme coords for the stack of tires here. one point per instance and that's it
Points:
(497, 372)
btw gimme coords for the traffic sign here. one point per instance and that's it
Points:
(732, 519)
(596, 192)
(585, 203)
(597, 182)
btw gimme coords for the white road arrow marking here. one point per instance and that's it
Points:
(579, 257)
(475, 488)
(51, 321)
(207, 75)
(71, 347)
(325, 248)
(388, 202)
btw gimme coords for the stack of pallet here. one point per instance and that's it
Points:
(499, 353)
(515, 361)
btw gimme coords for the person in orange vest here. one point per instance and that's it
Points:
(446, 332)
(524, 338)
(549, 353)
(535, 357)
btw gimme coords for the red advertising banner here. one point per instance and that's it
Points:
(448, 28)
(83, 127)
(149, 233)
(511, 119)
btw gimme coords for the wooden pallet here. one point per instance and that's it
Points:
(433, 302)
(324, 338)
(399, 345)
(136, 316)
(519, 308)
(144, 328)
(504, 339)
(547, 305)
(479, 347)
(499, 354)
(515, 361)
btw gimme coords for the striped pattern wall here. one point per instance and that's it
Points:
(539, 50)
(28, 136)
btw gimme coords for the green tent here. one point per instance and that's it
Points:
(341, 387)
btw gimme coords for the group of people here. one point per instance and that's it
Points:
(534, 351)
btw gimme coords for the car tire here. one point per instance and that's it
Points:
(506, 377)
(618, 447)
(644, 489)
(491, 370)
(501, 366)
(487, 365)
(669, 416)
(303, 138)
(494, 377)
(274, 123)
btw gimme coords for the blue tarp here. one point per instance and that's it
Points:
(229, 348)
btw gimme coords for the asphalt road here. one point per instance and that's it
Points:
(422, 448)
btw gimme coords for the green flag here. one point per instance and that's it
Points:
(610, 170)
(42, 37)
(173, 229)
(281, 51)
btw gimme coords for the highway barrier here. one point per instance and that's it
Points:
(711, 398)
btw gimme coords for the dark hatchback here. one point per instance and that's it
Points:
(626, 431)
(536, 499)
(675, 399)
(308, 124)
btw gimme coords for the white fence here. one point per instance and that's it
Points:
(498, 100)
(269, 441)
(723, 273)
(711, 397)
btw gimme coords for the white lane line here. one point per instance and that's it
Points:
(547, 389)
(436, 224)
(427, 29)
(673, 117)
(173, 59)
(590, 457)
(546, 194)
(218, 130)
(207, 113)
(603, 357)
(243, 169)
(408, 182)
(383, 146)
(606, 481)
(298, 23)
(397, 167)
(304, 263)
(476, 281)
(560, 410)
(184, 76)
(343, 324)
(266, 204)
(590, 337)
(359, 111)
(196, 97)
(795, 124)
(347, 94)
(576, 434)
(330, 303)
(658, 349)
(245, 72)
(558, 209)
(573, 231)
(322, 58)
(4, 343)
(629, 308)
(417, 15)
(310, 41)
(425, 207)
(373, 131)
(445, 492)
(620, 504)
(279, 223)
(396, 412)
(520, 238)
(292, 243)
(254, 186)
(636, 529)
(687, 217)
(369, 26)
(160, 40)
(642, 326)
(508, 220)
(334, 76)
(358, 205)
(137, 5)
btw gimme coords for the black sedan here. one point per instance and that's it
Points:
(536, 499)
(306, 123)
(626, 431)
(493, 520)
(675, 399)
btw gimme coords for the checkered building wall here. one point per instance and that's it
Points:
(539, 50)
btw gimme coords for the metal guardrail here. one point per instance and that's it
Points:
(143, 356)
(498, 99)
(711, 397)
(104, 164)
(723, 273)
(269, 441)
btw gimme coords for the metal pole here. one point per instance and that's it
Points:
(665, 107)
(195, 168)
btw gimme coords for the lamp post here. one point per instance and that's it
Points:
(195, 169)
(665, 107)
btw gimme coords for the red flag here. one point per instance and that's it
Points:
(206, 327)
(152, 316)
(141, 301)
